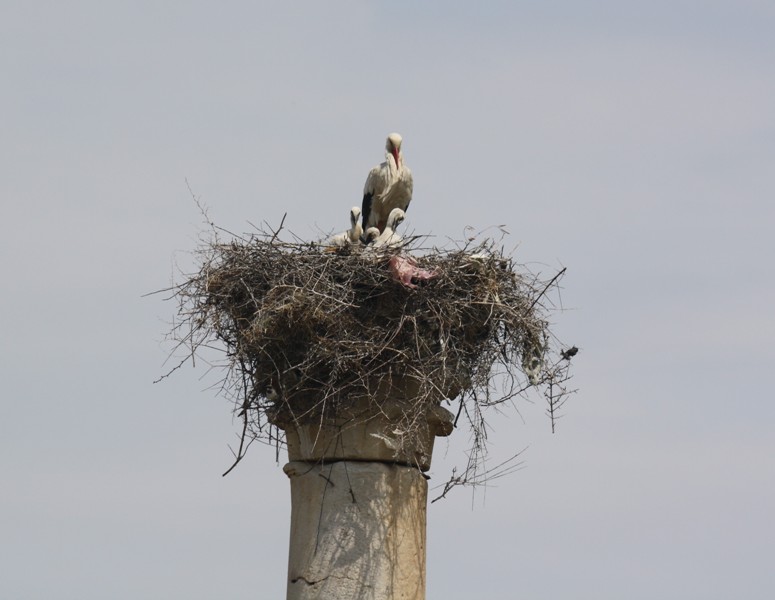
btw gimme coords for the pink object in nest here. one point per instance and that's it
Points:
(405, 270)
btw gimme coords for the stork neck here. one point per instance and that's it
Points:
(394, 162)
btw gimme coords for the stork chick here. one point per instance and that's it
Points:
(371, 234)
(350, 236)
(389, 238)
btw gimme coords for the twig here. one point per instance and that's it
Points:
(548, 285)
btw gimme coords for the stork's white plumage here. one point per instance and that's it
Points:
(371, 234)
(353, 234)
(389, 238)
(389, 185)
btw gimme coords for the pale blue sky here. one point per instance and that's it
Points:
(633, 143)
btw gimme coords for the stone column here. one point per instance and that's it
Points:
(359, 496)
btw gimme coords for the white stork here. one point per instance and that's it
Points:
(350, 236)
(388, 186)
(389, 238)
(370, 235)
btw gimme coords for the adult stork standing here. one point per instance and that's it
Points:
(388, 186)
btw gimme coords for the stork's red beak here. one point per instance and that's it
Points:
(395, 155)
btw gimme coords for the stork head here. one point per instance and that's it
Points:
(372, 233)
(395, 218)
(355, 214)
(393, 146)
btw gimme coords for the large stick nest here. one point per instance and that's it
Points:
(307, 331)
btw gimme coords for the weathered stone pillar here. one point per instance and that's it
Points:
(359, 499)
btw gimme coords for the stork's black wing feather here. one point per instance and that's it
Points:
(366, 208)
